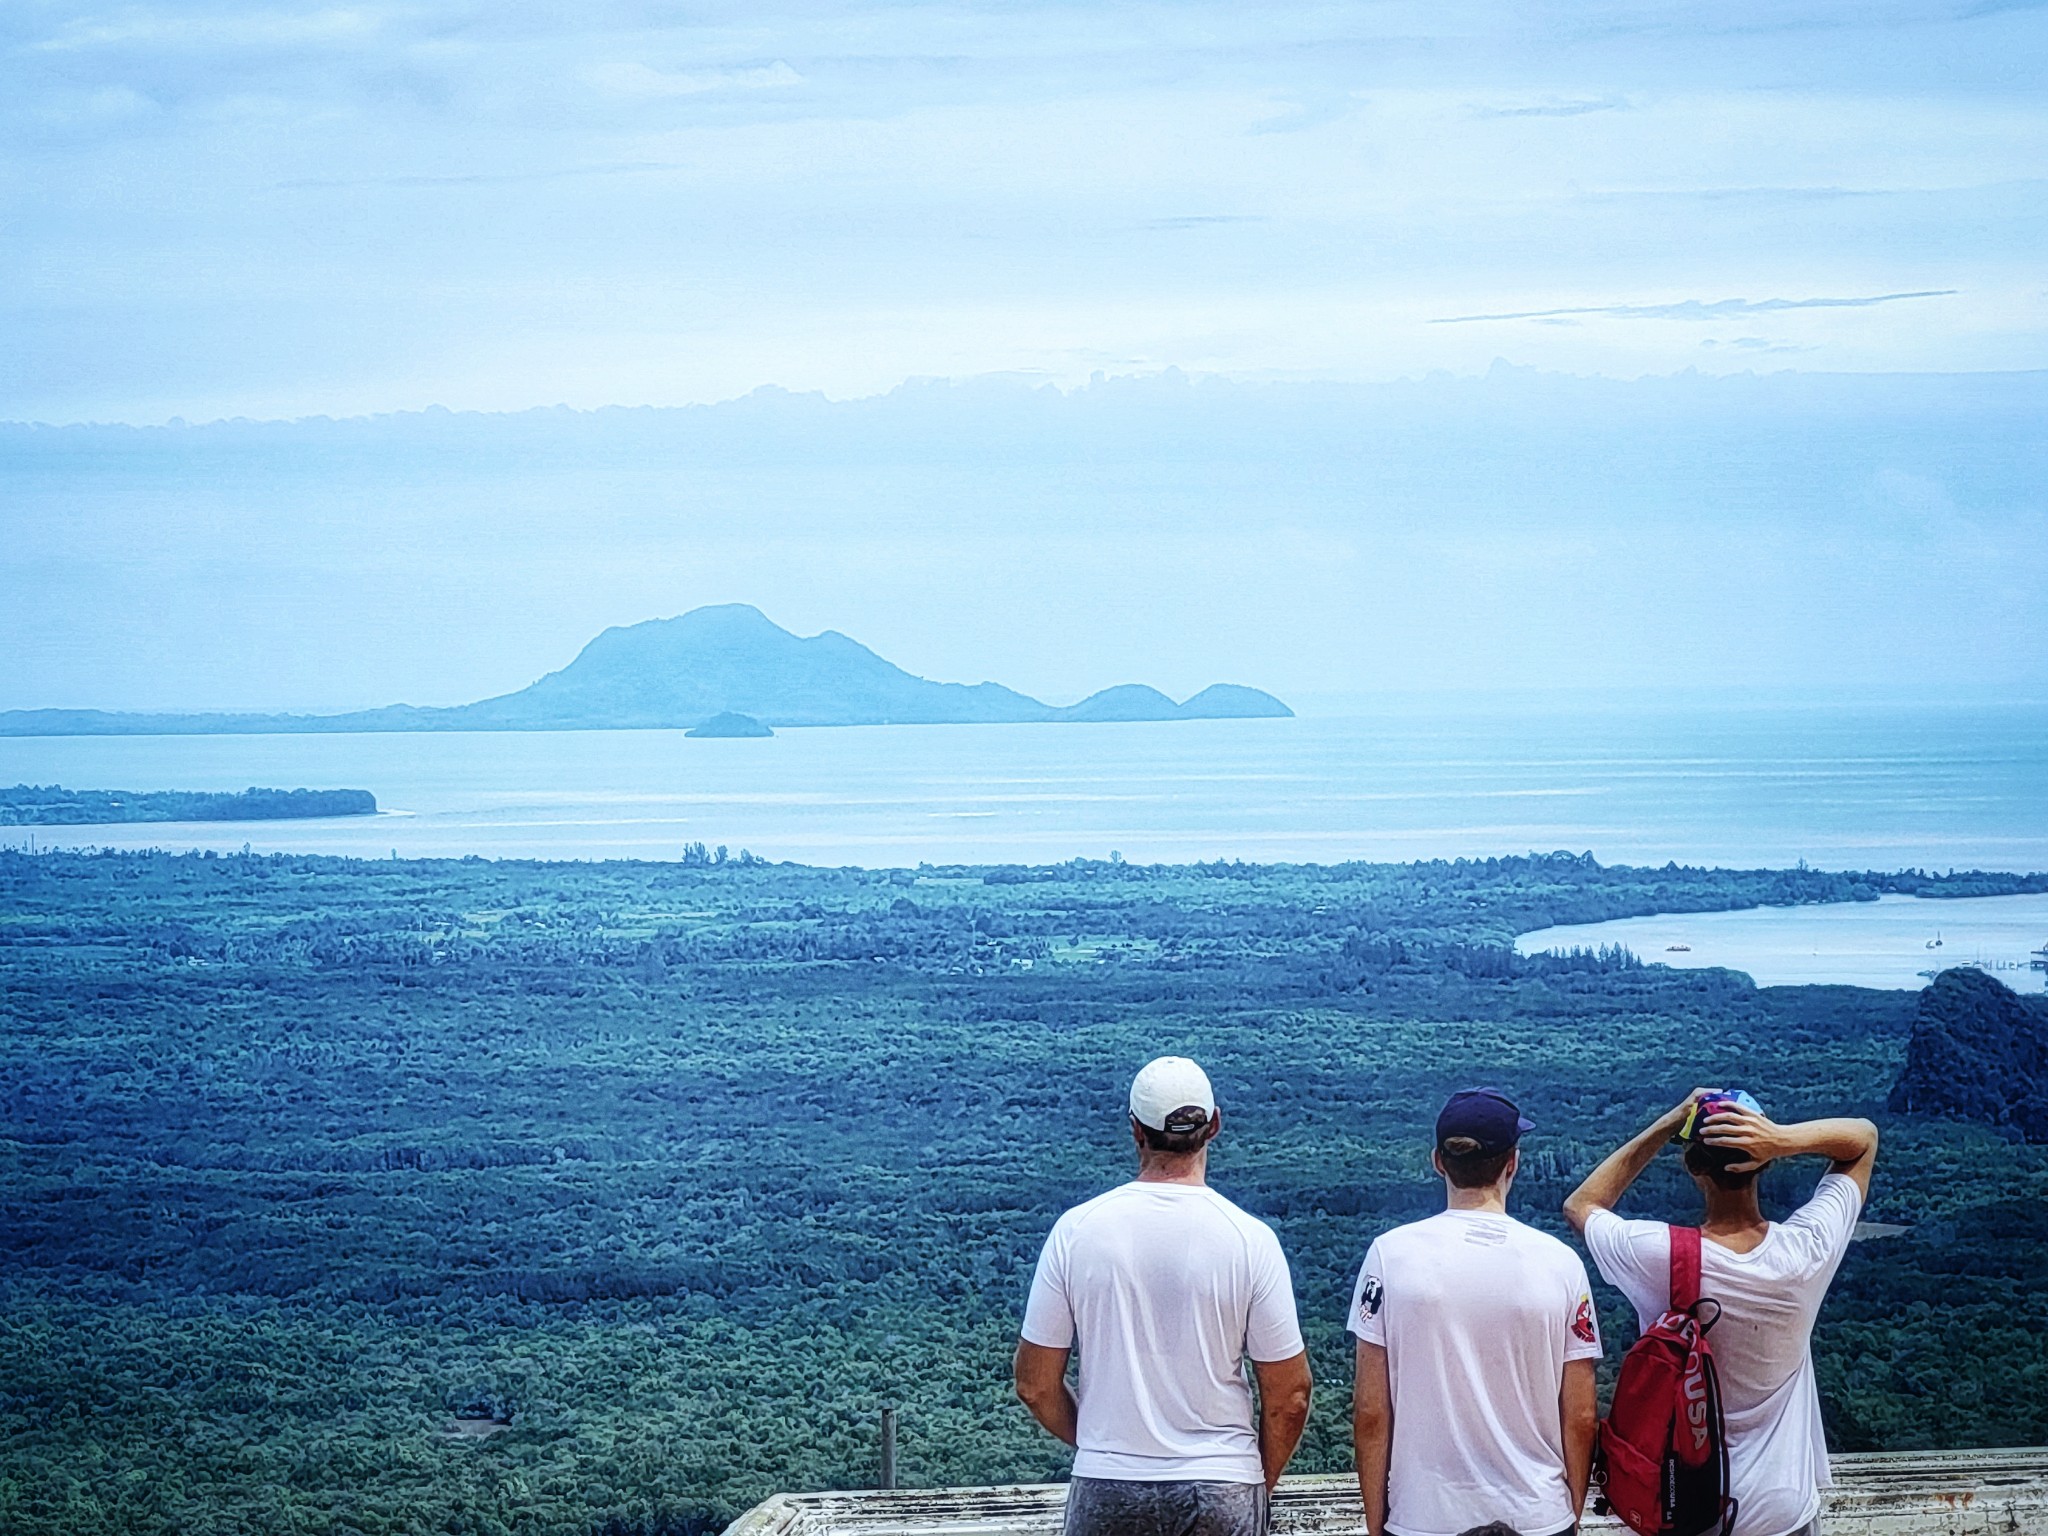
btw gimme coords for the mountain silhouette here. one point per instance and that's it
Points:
(682, 672)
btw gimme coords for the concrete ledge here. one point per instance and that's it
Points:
(1894, 1493)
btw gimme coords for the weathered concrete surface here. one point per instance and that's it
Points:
(1906, 1493)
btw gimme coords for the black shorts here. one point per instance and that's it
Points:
(1101, 1506)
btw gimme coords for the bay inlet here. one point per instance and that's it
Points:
(1896, 942)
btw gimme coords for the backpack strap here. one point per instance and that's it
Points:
(1685, 1268)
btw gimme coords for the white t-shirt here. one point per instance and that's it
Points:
(1163, 1289)
(1478, 1314)
(1777, 1453)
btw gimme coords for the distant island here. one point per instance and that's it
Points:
(730, 724)
(48, 805)
(684, 672)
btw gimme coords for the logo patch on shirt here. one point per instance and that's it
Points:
(1370, 1298)
(1582, 1325)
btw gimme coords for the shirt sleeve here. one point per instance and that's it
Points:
(1049, 1313)
(1272, 1331)
(1581, 1318)
(1634, 1257)
(1369, 1299)
(1827, 1222)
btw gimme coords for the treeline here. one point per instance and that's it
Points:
(49, 805)
(715, 909)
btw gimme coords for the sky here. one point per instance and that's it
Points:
(1327, 348)
(270, 211)
(1520, 530)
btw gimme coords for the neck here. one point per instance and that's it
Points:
(1733, 1210)
(1494, 1197)
(1173, 1167)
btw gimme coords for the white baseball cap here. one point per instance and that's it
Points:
(1167, 1084)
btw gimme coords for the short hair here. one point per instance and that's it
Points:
(1467, 1167)
(1492, 1528)
(1176, 1143)
(1712, 1162)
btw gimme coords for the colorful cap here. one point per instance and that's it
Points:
(1712, 1102)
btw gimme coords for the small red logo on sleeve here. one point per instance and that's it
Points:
(1583, 1328)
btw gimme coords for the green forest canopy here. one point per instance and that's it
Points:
(684, 1170)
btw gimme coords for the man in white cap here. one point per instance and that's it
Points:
(1165, 1288)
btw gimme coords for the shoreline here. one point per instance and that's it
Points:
(1896, 943)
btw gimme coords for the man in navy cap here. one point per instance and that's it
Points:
(1473, 1399)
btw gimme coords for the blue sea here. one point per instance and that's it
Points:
(1863, 787)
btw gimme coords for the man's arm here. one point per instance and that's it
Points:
(1284, 1388)
(1605, 1185)
(1578, 1403)
(1041, 1377)
(1372, 1431)
(1849, 1145)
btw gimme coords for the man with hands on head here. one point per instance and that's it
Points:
(1769, 1279)
(1165, 1289)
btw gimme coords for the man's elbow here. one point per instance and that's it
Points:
(1285, 1387)
(1861, 1151)
(1029, 1377)
(1578, 1209)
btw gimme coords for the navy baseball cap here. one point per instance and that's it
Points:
(1487, 1116)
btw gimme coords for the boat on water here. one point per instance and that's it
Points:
(1935, 942)
(1677, 949)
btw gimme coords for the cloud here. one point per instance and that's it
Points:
(1699, 309)
(1555, 109)
(643, 80)
(1204, 220)
(262, 29)
(1756, 344)
(1314, 109)
(105, 107)
(483, 178)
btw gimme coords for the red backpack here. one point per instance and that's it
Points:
(1662, 1464)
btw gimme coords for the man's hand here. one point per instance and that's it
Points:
(1284, 1389)
(1673, 1120)
(1372, 1431)
(1606, 1184)
(1041, 1377)
(1849, 1145)
(1578, 1400)
(1746, 1131)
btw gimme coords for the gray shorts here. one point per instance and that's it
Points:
(1101, 1506)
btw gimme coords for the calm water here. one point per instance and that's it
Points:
(1896, 941)
(1862, 788)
